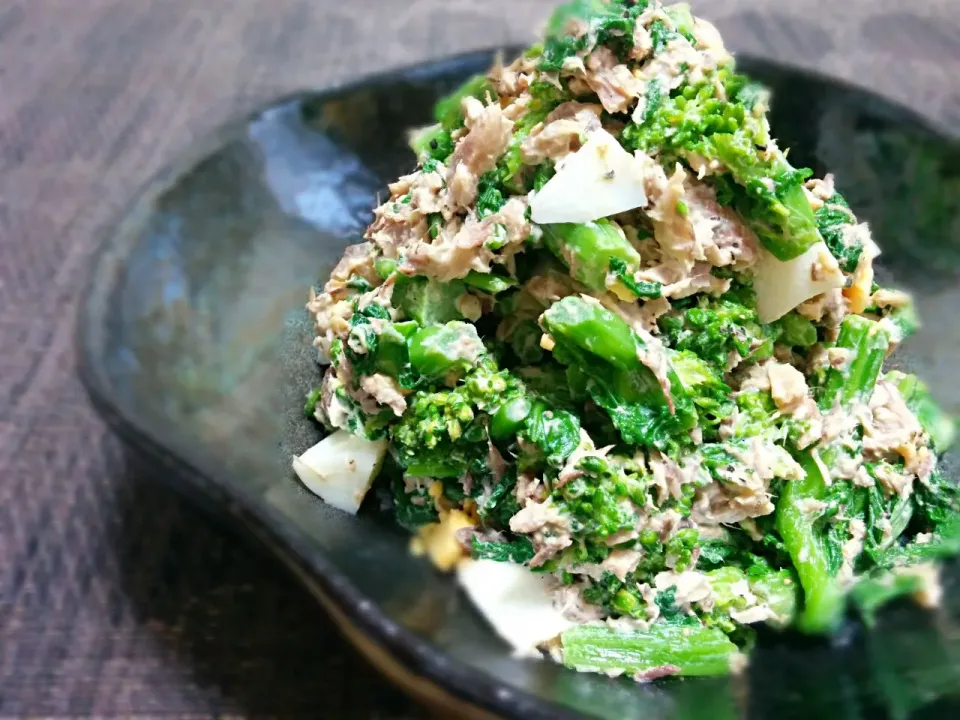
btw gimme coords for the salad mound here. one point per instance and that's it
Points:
(620, 364)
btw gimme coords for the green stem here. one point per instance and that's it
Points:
(594, 329)
(868, 342)
(691, 649)
(440, 349)
(488, 282)
(588, 249)
(426, 300)
(824, 598)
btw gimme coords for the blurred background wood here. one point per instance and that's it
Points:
(116, 598)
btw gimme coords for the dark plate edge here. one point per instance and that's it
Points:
(246, 511)
(419, 657)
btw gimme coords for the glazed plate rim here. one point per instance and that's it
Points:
(246, 509)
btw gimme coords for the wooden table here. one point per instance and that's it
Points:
(116, 598)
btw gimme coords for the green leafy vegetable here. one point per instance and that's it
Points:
(488, 282)
(834, 218)
(490, 198)
(556, 433)
(412, 506)
(813, 553)
(428, 301)
(640, 288)
(588, 250)
(595, 339)
(432, 143)
(312, 398)
(718, 329)
(518, 551)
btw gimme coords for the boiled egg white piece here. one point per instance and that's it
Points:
(781, 286)
(599, 180)
(516, 602)
(340, 468)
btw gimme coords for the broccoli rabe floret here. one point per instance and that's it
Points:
(596, 500)
(775, 589)
(446, 433)
(704, 384)
(738, 578)
(615, 596)
(442, 433)
(759, 182)
(716, 328)
(762, 566)
(684, 122)
(726, 330)
(757, 416)
(795, 331)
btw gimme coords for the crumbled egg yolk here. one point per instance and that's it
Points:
(438, 541)
(622, 292)
(860, 292)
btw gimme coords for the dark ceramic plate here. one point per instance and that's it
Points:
(195, 347)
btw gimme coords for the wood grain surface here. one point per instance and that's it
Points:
(116, 598)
